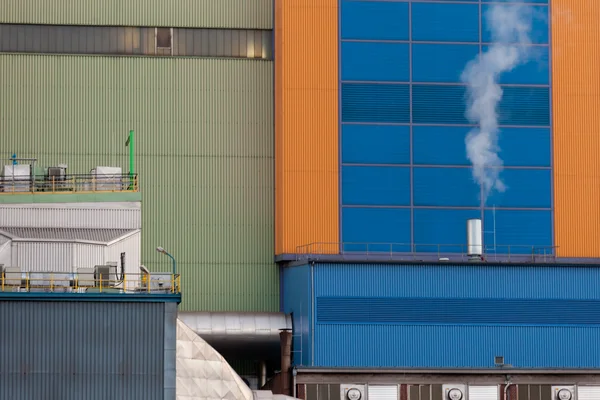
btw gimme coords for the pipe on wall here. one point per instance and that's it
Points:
(262, 374)
(286, 360)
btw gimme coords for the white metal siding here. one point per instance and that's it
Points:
(132, 247)
(483, 393)
(588, 393)
(5, 254)
(87, 255)
(105, 215)
(377, 392)
(43, 256)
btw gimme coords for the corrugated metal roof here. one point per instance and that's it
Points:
(95, 235)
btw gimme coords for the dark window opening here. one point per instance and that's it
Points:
(141, 41)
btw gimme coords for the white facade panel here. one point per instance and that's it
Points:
(76, 215)
(588, 393)
(484, 393)
(43, 256)
(6, 254)
(380, 392)
(132, 247)
(87, 255)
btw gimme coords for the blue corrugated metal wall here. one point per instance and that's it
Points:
(297, 299)
(405, 178)
(453, 316)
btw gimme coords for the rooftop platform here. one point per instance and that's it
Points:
(425, 253)
(74, 188)
(89, 286)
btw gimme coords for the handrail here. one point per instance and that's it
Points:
(418, 250)
(53, 282)
(70, 183)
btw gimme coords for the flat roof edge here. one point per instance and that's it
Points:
(93, 297)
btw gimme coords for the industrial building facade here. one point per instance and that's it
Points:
(194, 80)
(386, 107)
(287, 147)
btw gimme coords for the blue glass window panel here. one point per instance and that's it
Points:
(381, 186)
(364, 102)
(441, 230)
(445, 187)
(441, 62)
(525, 188)
(535, 71)
(375, 144)
(368, 61)
(537, 15)
(375, 229)
(445, 22)
(374, 20)
(440, 145)
(518, 232)
(526, 106)
(445, 145)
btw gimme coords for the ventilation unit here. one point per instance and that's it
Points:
(382, 392)
(484, 393)
(454, 391)
(352, 391)
(106, 273)
(588, 392)
(563, 393)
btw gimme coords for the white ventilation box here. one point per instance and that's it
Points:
(484, 393)
(351, 391)
(12, 276)
(564, 393)
(382, 392)
(588, 392)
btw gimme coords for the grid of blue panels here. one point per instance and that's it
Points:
(405, 180)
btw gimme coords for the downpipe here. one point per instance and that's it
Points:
(508, 384)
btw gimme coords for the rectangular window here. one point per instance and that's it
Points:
(148, 41)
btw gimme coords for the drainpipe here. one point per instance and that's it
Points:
(286, 359)
(294, 373)
(506, 386)
(262, 374)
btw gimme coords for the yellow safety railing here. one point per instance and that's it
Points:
(60, 282)
(70, 184)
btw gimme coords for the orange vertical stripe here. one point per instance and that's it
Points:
(576, 119)
(306, 124)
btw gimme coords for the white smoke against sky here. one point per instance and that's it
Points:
(510, 26)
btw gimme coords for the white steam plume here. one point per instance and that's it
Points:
(510, 26)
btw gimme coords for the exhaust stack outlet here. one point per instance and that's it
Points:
(474, 238)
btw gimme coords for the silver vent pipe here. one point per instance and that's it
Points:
(474, 238)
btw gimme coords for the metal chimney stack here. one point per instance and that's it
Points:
(474, 238)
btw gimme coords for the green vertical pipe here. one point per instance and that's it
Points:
(130, 153)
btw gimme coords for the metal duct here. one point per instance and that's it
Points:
(233, 333)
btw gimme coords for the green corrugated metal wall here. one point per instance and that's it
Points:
(174, 13)
(204, 144)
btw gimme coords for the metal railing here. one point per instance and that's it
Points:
(61, 282)
(420, 251)
(73, 183)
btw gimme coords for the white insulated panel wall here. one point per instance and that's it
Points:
(132, 247)
(380, 392)
(98, 215)
(484, 393)
(43, 256)
(588, 393)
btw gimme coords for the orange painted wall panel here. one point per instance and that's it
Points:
(306, 124)
(576, 119)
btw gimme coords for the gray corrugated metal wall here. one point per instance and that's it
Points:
(176, 13)
(81, 350)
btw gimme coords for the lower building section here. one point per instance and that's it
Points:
(445, 316)
(389, 385)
